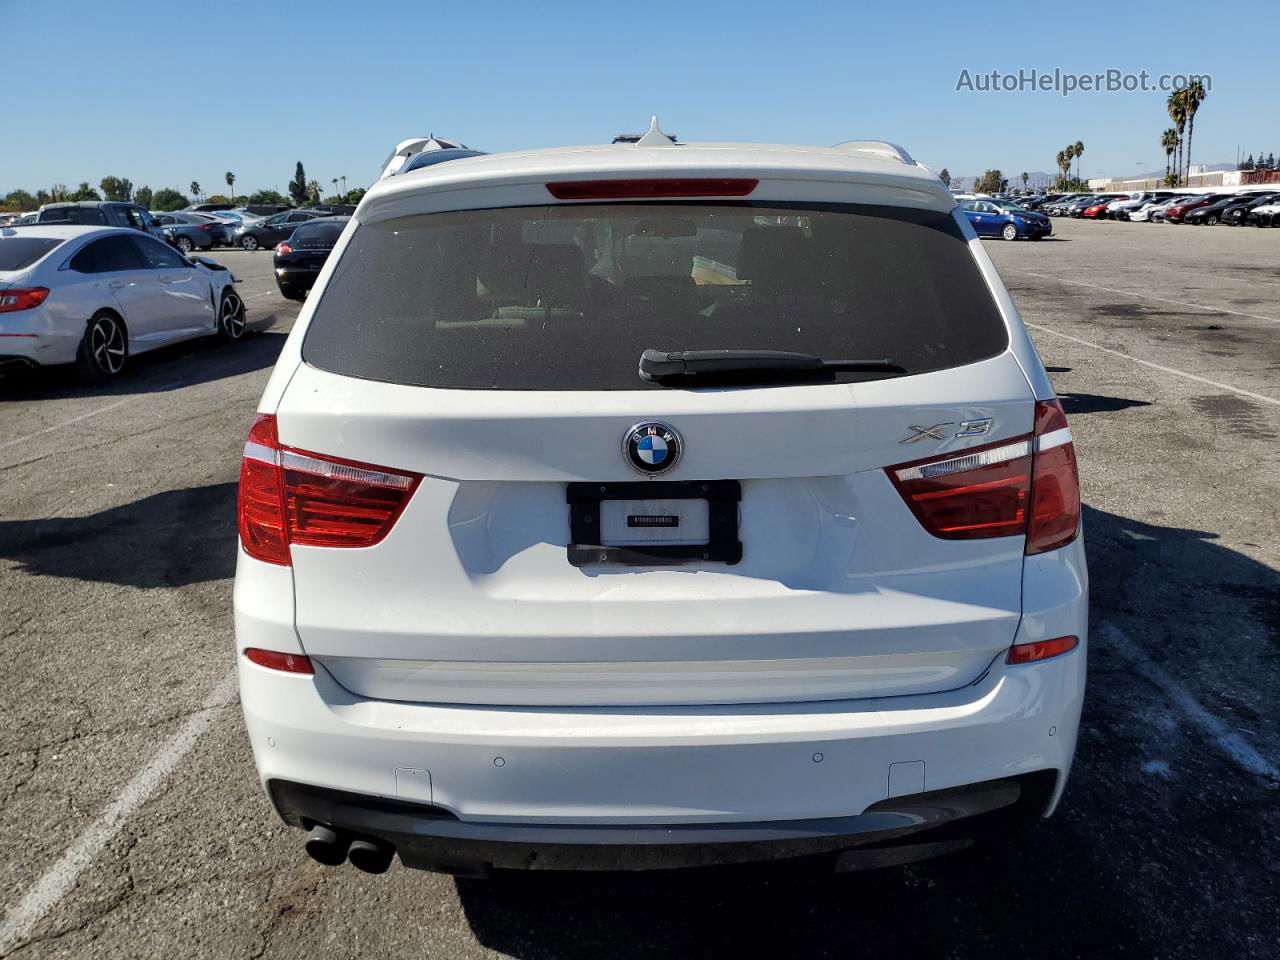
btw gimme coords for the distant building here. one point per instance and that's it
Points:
(1199, 179)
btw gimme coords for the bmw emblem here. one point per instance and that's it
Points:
(653, 448)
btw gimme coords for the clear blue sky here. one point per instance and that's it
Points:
(167, 93)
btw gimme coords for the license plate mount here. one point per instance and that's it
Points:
(648, 507)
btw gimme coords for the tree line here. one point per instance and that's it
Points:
(1262, 163)
(302, 192)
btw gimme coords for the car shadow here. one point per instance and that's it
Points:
(1132, 864)
(169, 368)
(1074, 403)
(170, 539)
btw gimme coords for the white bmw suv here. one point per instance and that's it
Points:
(648, 505)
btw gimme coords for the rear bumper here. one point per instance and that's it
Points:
(19, 349)
(301, 278)
(562, 771)
(429, 838)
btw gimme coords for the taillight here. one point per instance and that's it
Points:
(650, 189)
(283, 247)
(1026, 486)
(22, 298)
(205, 228)
(1040, 649)
(292, 496)
(1055, 483)
(285, 662)
(980, 493)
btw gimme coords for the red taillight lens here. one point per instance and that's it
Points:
(274, 660)
(1040, 650)
(205, 228)
(335, 503)
(1024, 486)
(292, 496)
(283, 247)
(261, 505)
(650, 189)
(22, 298)
(1055, 482)
(983, 492)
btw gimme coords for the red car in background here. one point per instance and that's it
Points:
(1175, 213)
(1098, 211)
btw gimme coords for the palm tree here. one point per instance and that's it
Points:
(231, 184)
(344, 185)
(1192, 96)
(1024, 179)
(1061, 160)
(1077, 150)
(1178, 114)
(1168, 143)
(335, 188)
(195, 189)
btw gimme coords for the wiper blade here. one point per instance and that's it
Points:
(658, 366)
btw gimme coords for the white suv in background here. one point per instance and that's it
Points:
(652, 504)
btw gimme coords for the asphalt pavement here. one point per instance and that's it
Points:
(132, 824)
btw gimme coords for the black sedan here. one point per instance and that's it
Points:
(1211, 213)
(1238, 212)
(298, 260)
(269, 232)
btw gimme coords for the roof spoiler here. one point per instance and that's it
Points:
(880, 149)
(413, 146)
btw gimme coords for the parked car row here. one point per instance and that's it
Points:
(1234, 208)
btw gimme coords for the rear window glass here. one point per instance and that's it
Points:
(567, 297)
(321, 231)
(92, 216)
(18, 253)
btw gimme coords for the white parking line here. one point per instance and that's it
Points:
(72, 421)
(62, 876)
(1154, 366)
(1231, 743)
(1147, 296)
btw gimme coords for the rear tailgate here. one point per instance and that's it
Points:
(840, 592)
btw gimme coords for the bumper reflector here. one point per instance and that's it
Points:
(284, 662)
(1041, 649)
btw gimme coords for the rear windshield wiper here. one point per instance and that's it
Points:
(751, 366)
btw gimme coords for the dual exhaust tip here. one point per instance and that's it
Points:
(331, 847)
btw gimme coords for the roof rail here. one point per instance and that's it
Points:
(881, 149)
(413, 146)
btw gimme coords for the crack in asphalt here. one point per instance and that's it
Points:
(131, 727)
(141, 432)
